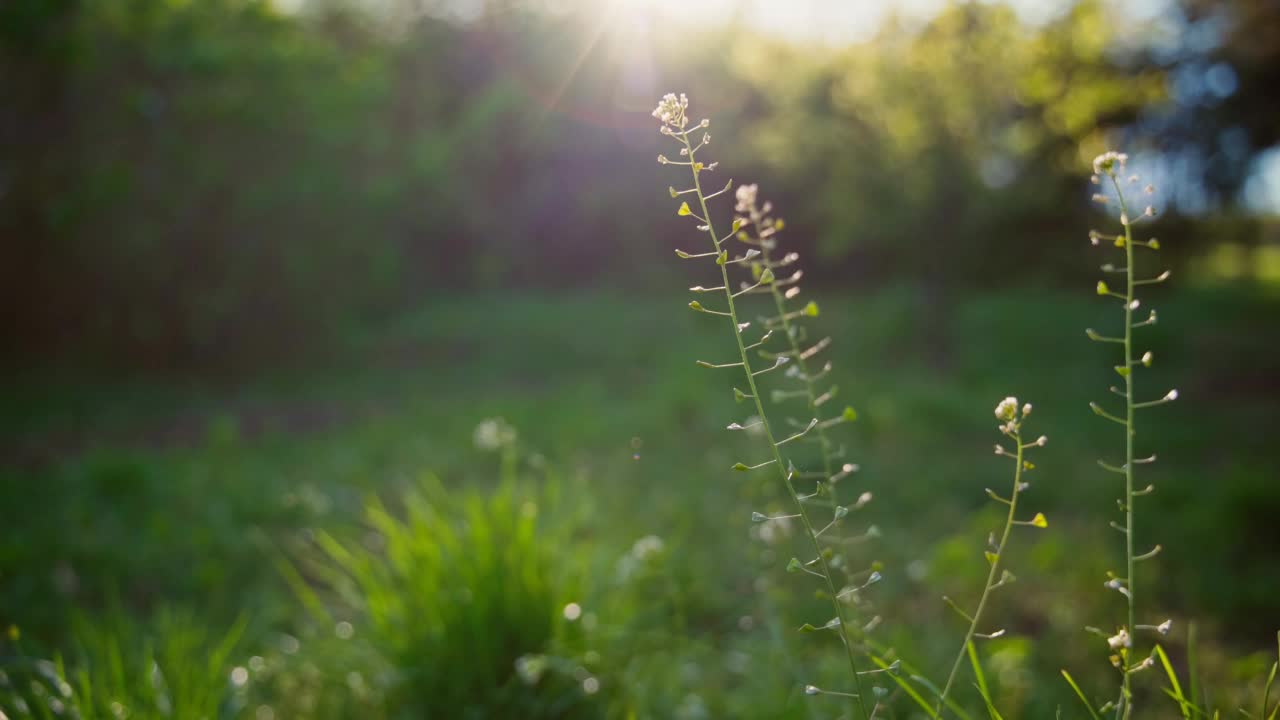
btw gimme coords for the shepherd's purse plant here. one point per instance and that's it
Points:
(755, 228)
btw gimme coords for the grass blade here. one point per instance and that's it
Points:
(1080, 694)
(982, 682)
(1176, 693)
(950, 703)
(906, 688)
(991, 709)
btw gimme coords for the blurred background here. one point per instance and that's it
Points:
(273, 270)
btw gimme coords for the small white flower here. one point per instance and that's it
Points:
(1171, 395)
(1120, 640)
(493, 434)
(1107, 162)
(1007, 409)
(671, 110)
(1164, 627)
(1026, 409)
(1042, 441)
(746, 196)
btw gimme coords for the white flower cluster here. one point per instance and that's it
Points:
(1010, 419)
(1108, 161)
(1007, 409)
(1120, 640)
(493, 434)
(672, 110)
(643, 551)
(750, 211)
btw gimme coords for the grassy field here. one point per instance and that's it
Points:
(130, 502)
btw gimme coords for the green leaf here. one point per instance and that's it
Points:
(684, 209)
(807, 628)
(991, 708)
(1122, 371)
(1176, 692)
(1102, 288)
(849, 414)
(766, 277)
(811, 309)
(696, 305)
(737, 224)
(907, 688)
(739, 395)
(683, 254)
(991, 557)
(723, 257)
(1040, 520)
(1080, 694)
(672, 191)
(794, 565)
(977, 672)
(740, 467)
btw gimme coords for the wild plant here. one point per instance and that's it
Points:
(463, 598)
(174, 665)
(1011, 417)
(1109, 172)
(672, 113)
(760, 229)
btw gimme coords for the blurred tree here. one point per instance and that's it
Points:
(950, 152)
(1229, 61)
(209, 183)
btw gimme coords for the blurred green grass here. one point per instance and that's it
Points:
(190, 494)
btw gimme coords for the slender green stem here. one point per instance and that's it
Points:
(773, 445)
(810, 386)
(1125, 708)
(991, 575)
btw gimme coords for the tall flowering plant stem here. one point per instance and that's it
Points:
(672, 112)
(761, 230)
(1110, 174)
(1011, 421)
